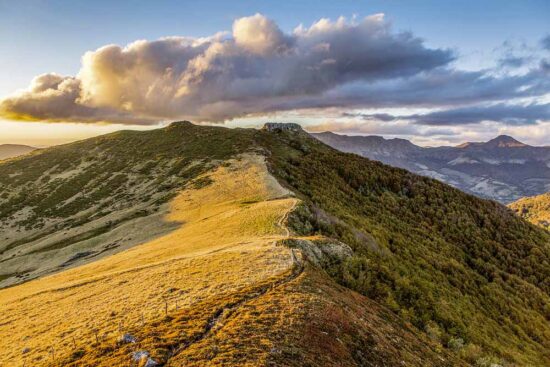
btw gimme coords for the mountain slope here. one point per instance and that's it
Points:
(428, 275)
(215, 289)
(204, 265)
(14, 150)
(97, 197)
(454, 265)
(535, 209)
(501, 169)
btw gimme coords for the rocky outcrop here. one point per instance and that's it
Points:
(281, 126)
(322, 251)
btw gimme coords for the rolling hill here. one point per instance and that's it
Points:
(535, 209)
(14, 150)
(501, 169)
(194, 245)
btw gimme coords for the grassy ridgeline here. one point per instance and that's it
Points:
(102, 166)
(68, 200)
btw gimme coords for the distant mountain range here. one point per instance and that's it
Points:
(14, 150)
(501, 169)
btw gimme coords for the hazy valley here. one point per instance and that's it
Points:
(501, 169)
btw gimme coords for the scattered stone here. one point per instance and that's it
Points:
(281, 126)
(126, 338)
(150, 363)
(26, 350)
(322, 252)
(143, 355)
(139, 355)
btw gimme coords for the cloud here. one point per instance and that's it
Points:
(260, 35)
(506, 114)
(257, 68)
(427, 135)
(374, 127)
(516, 54)
(503, 113)
(54, 98)
(512, 61)
(260, 69)
(373, 116)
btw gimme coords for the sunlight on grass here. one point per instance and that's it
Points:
(222, 247)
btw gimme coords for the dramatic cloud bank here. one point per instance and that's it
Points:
(260, 69)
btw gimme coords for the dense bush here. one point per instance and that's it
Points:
(433, 254)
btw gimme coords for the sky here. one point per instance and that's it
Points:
(436, 72)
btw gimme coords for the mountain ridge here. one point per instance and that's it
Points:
(13, 150)
(505, 141)
(501, 169)
(397, 267)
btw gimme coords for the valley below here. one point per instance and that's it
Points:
(502, 169)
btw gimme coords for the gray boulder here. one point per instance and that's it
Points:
(126, 338)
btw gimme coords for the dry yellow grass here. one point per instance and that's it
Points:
(241, 299)
(224, 245)
(535, 209)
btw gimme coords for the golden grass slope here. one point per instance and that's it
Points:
(535, 209)
(225, 244)
(218, 291)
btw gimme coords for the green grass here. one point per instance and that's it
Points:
(89, 234)
(5, 276)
